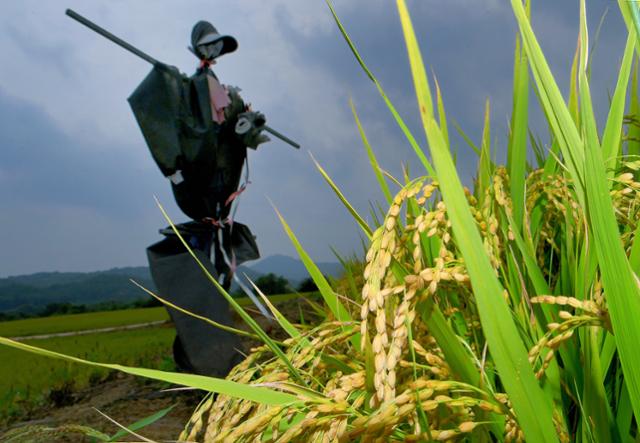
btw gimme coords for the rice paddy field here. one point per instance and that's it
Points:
(29, 381)
(504, 312)
(81, 322)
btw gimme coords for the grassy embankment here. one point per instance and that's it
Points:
(27, 380)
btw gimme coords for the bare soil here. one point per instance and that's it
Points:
(125, 399)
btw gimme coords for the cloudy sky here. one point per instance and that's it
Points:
(77, 181)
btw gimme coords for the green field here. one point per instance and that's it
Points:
(27, 380)
(107, 319)
(81, 322)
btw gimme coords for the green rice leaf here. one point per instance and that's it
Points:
(619, 282)
(234, 304)
(330, 297)
(282, 320)
(611, 140)
(634, 256)
(517, 150)
(466, 138)
(533, 408)
(624, 415)
(142, 423)
(597, 413)
(633, 134)
(574, 107)
(348, 269)
(372, 157)
(405, 130)
(442, 116)
(194, 315)
(363, 224)
(210, 384)
(606, 353)
(556, 111)
(631, 13)
(485, 168)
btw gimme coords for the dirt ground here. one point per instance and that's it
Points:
(125, 399)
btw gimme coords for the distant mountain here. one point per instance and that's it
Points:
(47, 279)
(282, 265)
(31, 293)
(292, 269)
(242, 272)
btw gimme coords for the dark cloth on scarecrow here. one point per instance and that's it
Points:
(175, 115)
(189, 124)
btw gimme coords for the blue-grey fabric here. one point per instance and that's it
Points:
(200, 348)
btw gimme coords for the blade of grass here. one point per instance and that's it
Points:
(210, 384)
(194, 315)
(538, 149)
(597, 413)
(348, 274)
(633, 133)
(123, 428)
(234, 304)
(631, 14)
(607, 353)
(611, 140)
(574, 107)
(282, 320)
(558, 115)
(485, 167)
(331, 299)
(517, 149)
(619, 281)
(372, 157)
(597, 418)
(624, 415)
(466, 138)
(142, 423)
(412, 141)
(442, 116)
(363, 224)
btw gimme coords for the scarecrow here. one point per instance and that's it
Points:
(198, 131)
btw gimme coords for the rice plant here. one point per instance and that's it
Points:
(502, 313)
(508, 312)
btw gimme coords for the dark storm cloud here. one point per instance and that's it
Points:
(71, 153)
(41, 165)
(469, 64)
(472, 55)
(67, 205)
